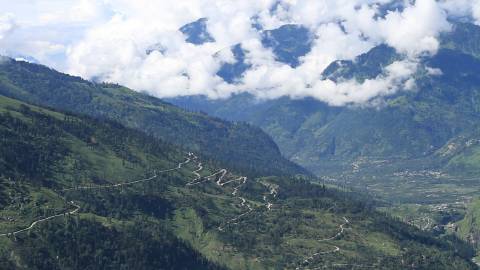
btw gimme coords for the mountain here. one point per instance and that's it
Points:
(196, 32)
(365, 66)
(288, 43)
(230, 72)
(464, 38)
(238, 145)
(44, 152)
(79, 192)
(431, 132)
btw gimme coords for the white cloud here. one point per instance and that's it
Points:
(414, 30)
(463, 8)
(7, 25)
(108, 39)
(81, 11)
(270, 82)
(434, 71)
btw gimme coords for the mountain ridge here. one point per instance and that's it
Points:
(408, 125)
(44, 86)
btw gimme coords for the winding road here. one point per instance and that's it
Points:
(336, 249)
(221, 180)
(91, 187)
(351, 266)
(196, 181)
(273, 189)
(77, 207)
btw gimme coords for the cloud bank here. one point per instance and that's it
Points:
(108, 41)
(7, 25)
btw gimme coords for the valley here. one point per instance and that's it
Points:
(416, 151)
(213, 216)
(240, 135)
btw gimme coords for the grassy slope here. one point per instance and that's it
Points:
(281, 238)
(468, 227)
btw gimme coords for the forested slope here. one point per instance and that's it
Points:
(235, 144)
(80, 193)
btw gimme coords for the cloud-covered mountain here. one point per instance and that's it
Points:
(196, 32)
(239, 145)
(439, 113)
(285, 45)
(289, 43)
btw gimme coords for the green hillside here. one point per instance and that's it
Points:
(44, 152)
(468, 227)
(80, 193)
(235, 144)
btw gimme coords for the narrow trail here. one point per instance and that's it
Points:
(155, 175)
(77, 207)
(235, 189)
(196, 181)
(200, 180)
(351, 266)
(336, 249)
(196, 172)
(273, 189)
(220, 179)
(340, 233)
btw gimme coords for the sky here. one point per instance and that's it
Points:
(106, 40)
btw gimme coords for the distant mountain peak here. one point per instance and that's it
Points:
(365, 66)
(231, 72)
(20, 58)
(288, 42)
(392, 6)
(464, 37)
(197, 32)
